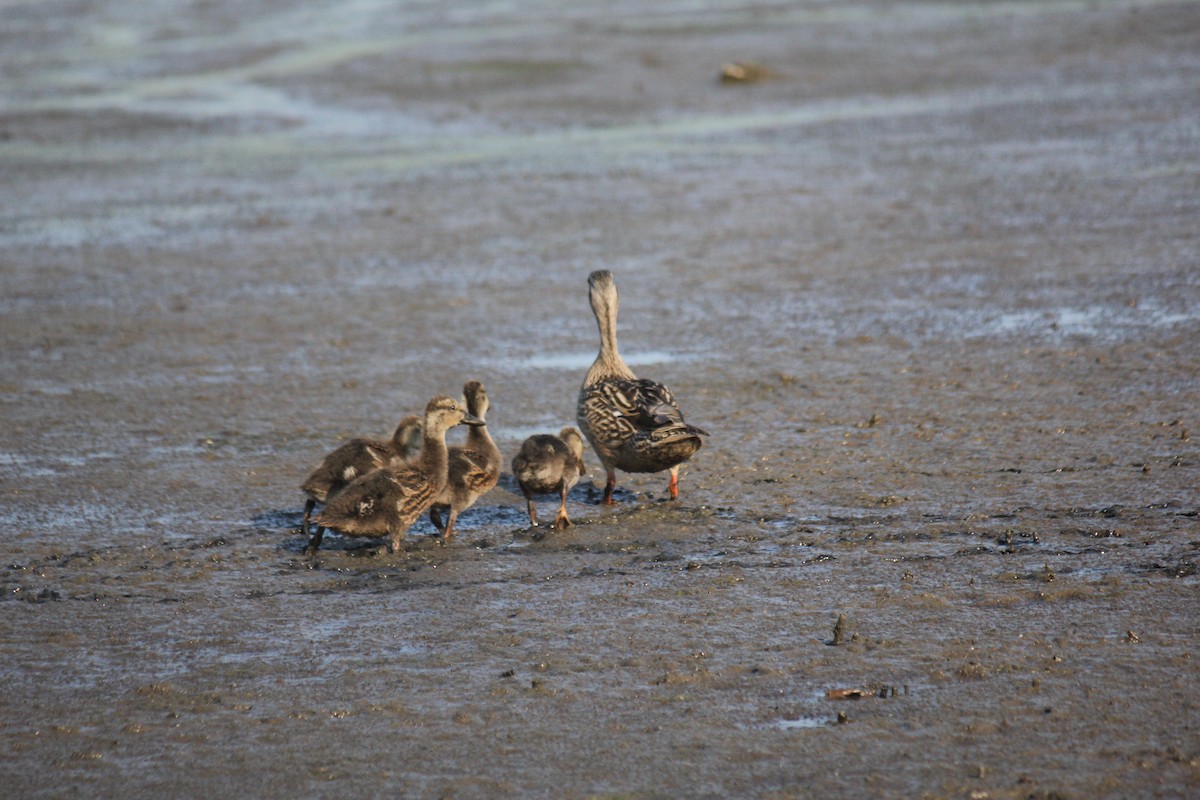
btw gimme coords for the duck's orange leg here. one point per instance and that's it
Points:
(673, 486)
(608, 489)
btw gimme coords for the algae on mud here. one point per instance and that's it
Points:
(933, 289)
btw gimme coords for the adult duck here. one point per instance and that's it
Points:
(388, 500)
(632, 423)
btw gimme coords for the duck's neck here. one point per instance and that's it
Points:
(479, 440)
(434, 458)
(608, 363)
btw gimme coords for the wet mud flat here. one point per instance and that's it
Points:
(932, 284)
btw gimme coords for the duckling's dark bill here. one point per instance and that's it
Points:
(469, 419)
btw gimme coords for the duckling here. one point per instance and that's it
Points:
(386, 501)
(474, 467)
(355, 458)
(633, 424)
(548, 463)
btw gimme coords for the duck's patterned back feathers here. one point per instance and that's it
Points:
(635, 425)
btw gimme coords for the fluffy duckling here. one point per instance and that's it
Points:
(633, 424)
(386, 501)
(474, 467)
(356, 458)
(548, 463)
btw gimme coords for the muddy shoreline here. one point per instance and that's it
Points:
(932, 284)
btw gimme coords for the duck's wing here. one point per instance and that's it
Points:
(473, 470)
(381, 454)
(648, 404)
(349, 461)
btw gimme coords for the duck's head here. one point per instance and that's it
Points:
(407, 437)
(573, 440)
(476, 398)
(602, 292)
(601, 278)
(444, 413)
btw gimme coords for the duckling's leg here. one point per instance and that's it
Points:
(396, 538)
(449, 531)
(435, 516)
(561, 520)
(609, 485)
(673, 486)
(308, 509)
(315, 541)
(531, 508)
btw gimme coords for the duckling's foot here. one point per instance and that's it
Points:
(562, 522)
(533, 520)
(394, 542)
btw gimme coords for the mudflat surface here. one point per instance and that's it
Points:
(932, 284)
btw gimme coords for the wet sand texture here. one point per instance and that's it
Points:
(930, 277)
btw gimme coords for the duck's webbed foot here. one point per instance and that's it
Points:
(673, 486)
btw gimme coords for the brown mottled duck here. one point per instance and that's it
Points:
(633, 424)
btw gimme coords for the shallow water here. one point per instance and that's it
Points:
(932, 287)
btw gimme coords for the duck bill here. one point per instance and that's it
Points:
(471, 419)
